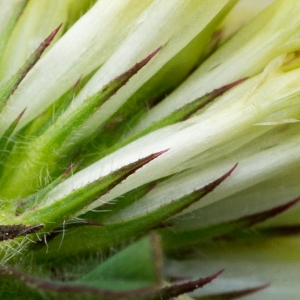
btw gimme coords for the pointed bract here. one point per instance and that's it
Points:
(8, 88)
(54, 214)
(184, 238)
(234, 294)
(186, 287)
(95, 238)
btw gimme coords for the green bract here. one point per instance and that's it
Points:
(149, 149)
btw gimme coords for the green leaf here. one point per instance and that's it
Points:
(20, 286)
(134, 273)
(131, 274)
(139, 265)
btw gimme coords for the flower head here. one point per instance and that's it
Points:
(118, 117)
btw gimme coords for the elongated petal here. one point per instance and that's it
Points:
(57, 137)
(240, 112)
(9, 14)
(81, 50)
(177, 25)
(263, 39)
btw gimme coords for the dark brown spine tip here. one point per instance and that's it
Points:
(211, 186)
(21, 115)
(150, 56)
(227, 174)
(271, 212)
(160, 153)
(52, 35)
(291, 203)
(143, 62)
(214, 276)
(257, 289)
(77, 83)
(225, 88)
(231, 170)
(70, 168)
(186, 287)
(150, 157)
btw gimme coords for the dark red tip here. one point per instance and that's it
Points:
(260, 217)
(186, 287)
(211, 186)
(218, 92)
(50, 38)
(21, 115)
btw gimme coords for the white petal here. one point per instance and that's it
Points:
(246, 54)
(82, 49)
(170, 23)
(185, 140)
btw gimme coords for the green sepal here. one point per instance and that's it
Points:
(111, 208)
(93, 238)
(185, 111)
(8, 87)
(55, 213)
(38, 161)
(183, 238)
(40, 124)
(35, 199)
(65, 127)
(170, 75)
(7, 142)
(178, 115)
